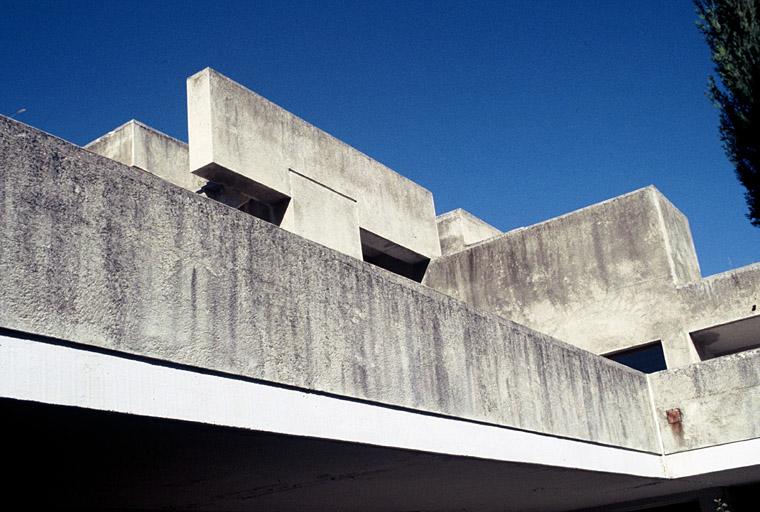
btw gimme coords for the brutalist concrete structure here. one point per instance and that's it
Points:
(267, 319)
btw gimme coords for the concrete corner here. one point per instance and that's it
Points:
(459, 229)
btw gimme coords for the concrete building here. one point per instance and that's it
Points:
(267, 319)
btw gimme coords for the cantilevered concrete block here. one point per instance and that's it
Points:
(244, 141)
(323, 215)
(459, 229)
(224, 123)
(138, 145)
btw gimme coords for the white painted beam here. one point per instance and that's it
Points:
(60, 375)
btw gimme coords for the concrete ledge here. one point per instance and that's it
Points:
(77, 377)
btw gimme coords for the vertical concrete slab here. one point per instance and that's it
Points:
(323, 215)
(678, 241)
(710, 403)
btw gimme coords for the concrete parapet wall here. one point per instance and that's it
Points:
(92, 252)
(721, 298)
(138, 145)
(590, 277)
(718, 402)
(236, 134)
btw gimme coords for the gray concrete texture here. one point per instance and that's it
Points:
(323, 215)
(237, 136)
(138, 145)
(93, 252)
(608, 277)
(718, 399)
(459, 229)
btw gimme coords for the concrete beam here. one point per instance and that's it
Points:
(81, 378)
(91, 380)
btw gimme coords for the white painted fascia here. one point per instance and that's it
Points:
(61, 375)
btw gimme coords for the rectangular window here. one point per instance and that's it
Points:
(647, 358)
(729, 338)
(392, 257)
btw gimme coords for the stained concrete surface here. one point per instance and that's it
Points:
(323, 215)
(93, 252)
(718, 400)
(608, 277)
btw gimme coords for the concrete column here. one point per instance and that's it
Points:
(679, 349)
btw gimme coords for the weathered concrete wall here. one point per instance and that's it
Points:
(459, 229)
(712, 301)
(589, 277)
(719, 402)
(118, 144)
(233, 130)
(678, 242)
(721, 298)
(607, 277)
(138, 145)
(93, 252)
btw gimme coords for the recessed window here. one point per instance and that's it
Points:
(725, 339)
(392, 257)
(645, 358)
(272, 212)
(267, 204)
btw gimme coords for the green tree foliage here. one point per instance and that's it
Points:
(732, 31)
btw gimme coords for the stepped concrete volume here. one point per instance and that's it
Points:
(267, 319)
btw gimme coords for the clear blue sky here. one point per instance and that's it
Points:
(516, 110)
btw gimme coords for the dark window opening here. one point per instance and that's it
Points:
(392, 257)
(270, 212)
(645, 358)
(725, 339)
(243, 193)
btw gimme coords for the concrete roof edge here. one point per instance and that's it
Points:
(515, 231)
(751, 267)
(157, 132)
(110, 132)
(464, 213)
(135, 122)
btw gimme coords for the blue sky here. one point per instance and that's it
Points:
(517, 111)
